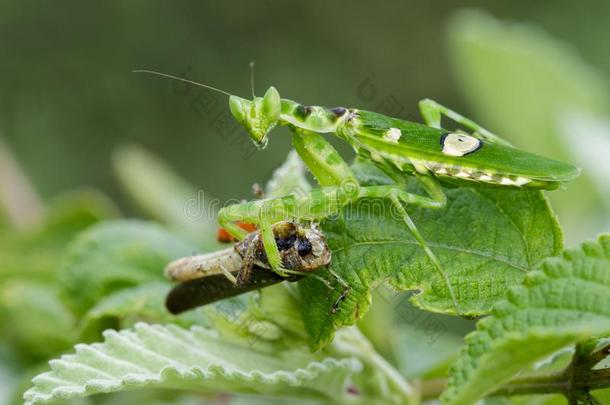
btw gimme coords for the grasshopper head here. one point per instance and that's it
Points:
(258, 116)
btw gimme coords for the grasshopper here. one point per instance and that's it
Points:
(244, 267)
(400, 148)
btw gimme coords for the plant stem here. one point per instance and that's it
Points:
(574, 382)
(598, 356)
(551, 384)
(351, 341)
(557, 383)
(554, 383)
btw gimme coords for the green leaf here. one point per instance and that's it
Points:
(116, 255)
(566, 301)
(421, 351)
(485, 239)
(500, 65)
(588, 138)
(8, 377)
(162, 194)
(172, 357)
(35, 321)
(268, 325)
(74, 211)
(36, 254)
(289, 178)
(126, 307)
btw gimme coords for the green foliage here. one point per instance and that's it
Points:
(567, 300)
(116, 255)
(500, 65)
(196, 359)
(540, 94)
(73, 281)
(121, 264)
(164, 196)
(40, 325)
(424, 354)
(29, 299)
(288, 178)
(36, 324)
(36, 254)
(125, 307)
(487, 240)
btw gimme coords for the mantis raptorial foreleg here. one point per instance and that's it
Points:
(431, 112)
(340, 188)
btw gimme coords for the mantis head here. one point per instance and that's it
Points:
(258, 116)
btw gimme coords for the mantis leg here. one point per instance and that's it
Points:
(340, 188)
(432, 111)
(316, 205)
(273, 253)
(323, 202)
(437, 199)
(321, 158)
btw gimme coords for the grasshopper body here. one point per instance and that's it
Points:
(244, 267)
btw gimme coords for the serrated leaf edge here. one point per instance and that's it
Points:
(534, 278)
(142, 376)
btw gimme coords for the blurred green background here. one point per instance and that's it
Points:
(67, 97)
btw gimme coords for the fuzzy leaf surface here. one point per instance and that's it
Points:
(565, 301)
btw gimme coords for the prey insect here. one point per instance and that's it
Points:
(400, 148)
(244, 267)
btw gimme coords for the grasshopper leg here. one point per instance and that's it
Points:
(246, 269)
(228, 275)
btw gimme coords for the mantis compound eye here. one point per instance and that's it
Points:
(456, 144)
(258, 116)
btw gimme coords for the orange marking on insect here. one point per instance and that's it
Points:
(225, 237)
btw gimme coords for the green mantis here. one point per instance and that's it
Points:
(400, 148)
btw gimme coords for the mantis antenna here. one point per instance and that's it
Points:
(182, 79)
(252, 77)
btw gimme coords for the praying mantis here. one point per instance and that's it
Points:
(400, 148)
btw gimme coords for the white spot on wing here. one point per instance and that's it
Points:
(442, 170)
(392, 135)
(462, 174)
(456, 144)
(419, 166)
(520, 181)
(485, 177)
(506, 181)
(376, 156)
